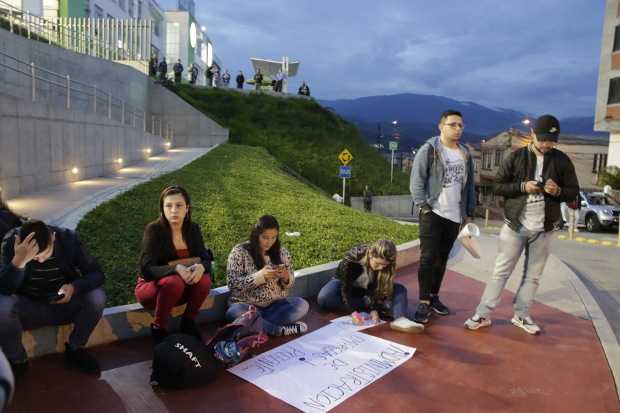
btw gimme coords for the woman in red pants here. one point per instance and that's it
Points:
(174, 265)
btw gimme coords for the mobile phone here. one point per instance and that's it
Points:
(57, 297)
(540, 184)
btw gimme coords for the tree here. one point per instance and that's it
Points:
(610, 177)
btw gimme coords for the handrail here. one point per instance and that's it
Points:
(96, 94)
(62, 34)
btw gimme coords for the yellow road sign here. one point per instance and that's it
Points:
(345, 157)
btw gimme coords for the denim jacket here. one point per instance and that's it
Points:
(426, 180)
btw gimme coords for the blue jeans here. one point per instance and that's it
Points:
(330, 299)
(275, 315)
(511, 245)
(18, 313)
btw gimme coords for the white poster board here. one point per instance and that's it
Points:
(320, 370)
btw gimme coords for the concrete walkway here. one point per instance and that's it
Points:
(560, 288)
(65, 205)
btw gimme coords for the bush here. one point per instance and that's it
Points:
(302, 135)
(231, 187)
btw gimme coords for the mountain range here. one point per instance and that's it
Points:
(417, 117)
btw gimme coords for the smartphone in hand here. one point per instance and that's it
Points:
(56, 297)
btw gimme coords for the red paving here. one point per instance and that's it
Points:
(453, 370)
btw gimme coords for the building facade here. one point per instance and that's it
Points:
(607, 118)
(589, 156)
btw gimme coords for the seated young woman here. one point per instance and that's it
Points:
(259, 273)
(174, 265)
(364, 282)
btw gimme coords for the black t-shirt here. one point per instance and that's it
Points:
(45, 279)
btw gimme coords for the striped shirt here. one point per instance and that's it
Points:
(45, 279)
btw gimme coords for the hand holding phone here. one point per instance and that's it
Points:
(56, 297)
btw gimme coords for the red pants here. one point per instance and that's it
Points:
(164, 294)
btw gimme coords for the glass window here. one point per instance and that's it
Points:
(617, 39)
(614, 91)
(498, 157)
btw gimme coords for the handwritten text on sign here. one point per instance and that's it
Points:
(320, 370)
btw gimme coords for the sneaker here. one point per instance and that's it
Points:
(526, 323)
(80, 359)
(298, 327)
(189, 327)
(422, 313)
(476, 322)
(405, 325)
(438, 307)
(158, 334)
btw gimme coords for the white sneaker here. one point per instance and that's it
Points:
(298, 327)
(405, 325)
(526, 323)
(476, 322)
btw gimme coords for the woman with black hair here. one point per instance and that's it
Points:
(259, 273)
(364, 282)
(174, 265)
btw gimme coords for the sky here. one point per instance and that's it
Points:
(535, 56)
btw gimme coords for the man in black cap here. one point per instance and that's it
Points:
(533, 180)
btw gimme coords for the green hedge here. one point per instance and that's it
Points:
(230, 187)
(302, 135)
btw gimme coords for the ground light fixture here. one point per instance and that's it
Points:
(75, 170)
(168, 144)
(148, 150)
(119, 161)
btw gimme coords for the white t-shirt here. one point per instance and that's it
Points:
(448, 205)
(533, 215)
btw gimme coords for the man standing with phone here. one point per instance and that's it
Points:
(533, 180)
(442, 187)
(48, 278)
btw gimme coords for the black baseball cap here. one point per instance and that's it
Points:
(547, 128)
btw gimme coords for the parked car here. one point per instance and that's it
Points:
(597, 211)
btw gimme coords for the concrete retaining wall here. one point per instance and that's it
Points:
(129, 321)
(41, 143)
(393, 206)
(191, 127)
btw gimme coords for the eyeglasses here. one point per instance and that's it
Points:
(455, 125)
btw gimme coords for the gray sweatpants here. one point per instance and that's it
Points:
(511, 245)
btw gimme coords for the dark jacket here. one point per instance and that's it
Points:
(520, 167)
(348, 271)
(158, 250)
(8, 221)
(76, 264)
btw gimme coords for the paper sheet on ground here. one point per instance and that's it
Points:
(320, 370)
(346, 321)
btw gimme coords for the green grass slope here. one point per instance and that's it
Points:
(230, 187)
(302, 135)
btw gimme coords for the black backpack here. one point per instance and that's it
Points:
(182, 360)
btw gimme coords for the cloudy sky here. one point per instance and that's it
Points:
(531, 55)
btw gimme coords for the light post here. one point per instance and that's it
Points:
(393, 147)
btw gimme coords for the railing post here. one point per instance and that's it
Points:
(123, 112)
(68, 92)
(95, 99)
(152, 125)
(11, 20)
(133, 118)
(161, 123)
(27, 21)
(144, 120)
(34, 79)
(110, 105)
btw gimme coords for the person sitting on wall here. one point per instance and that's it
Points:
(48, 278)
(174, 265)
(260, 273)
(364, 282)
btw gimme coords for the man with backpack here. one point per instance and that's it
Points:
(442, 187)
